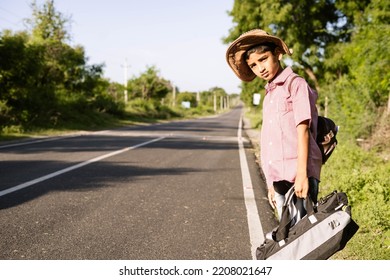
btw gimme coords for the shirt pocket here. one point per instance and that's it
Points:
(285, 106)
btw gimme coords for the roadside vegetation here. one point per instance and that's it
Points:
(361, 169)
(339, 47)
(48, 86)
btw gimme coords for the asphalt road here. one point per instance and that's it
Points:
(168, 191)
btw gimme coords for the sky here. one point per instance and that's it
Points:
(180, 38)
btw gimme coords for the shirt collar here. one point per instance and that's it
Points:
(279, 80)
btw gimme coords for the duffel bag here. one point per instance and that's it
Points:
(324, 230)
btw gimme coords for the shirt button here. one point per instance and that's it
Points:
(270, 143)
(270, 162)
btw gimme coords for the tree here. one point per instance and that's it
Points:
(43, 80)
(23, 94)
(358, 72)
(149, 85)
(187, 97)
(47, 23)
(341, 46)
(305, 26)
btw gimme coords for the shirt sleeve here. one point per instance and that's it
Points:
(301, 101)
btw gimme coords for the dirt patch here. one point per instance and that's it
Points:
(380, 139)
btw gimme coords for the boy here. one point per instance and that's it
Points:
(289, 153)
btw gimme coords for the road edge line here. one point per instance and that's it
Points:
(256, 232)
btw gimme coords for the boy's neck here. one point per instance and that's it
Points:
(280, 70)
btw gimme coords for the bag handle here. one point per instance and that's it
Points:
(289, 215)
(289, 211)
(310, 208)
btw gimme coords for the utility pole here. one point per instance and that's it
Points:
(215, 102)
(174, 95)
(125, 80)
(326, 107)
(388, 106)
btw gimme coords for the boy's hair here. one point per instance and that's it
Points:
(261, 48)
(236, 53)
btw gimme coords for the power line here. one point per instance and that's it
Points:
(12, 13)
(7, 20)
(17, 23)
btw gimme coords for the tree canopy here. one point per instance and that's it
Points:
(47, 23)
(44, 80)
(341, 47)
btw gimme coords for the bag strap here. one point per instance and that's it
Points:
(291, 81)
(287, 219)
(289, 215)
(310, 207)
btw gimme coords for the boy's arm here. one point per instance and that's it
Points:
(301, 180)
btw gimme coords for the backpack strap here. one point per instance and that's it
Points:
(291, 81)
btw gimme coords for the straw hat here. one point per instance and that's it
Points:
(235, 54)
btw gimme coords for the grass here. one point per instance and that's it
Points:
(136, 113)
(364, 175)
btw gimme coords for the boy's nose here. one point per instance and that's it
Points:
(261, 68)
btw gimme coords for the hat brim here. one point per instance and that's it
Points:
(235, 54)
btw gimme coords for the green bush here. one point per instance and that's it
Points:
(150, 109)
(365, 178)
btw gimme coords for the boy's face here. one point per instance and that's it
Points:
(265, 65)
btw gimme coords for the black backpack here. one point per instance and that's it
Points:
(326, 137)
(326, 133)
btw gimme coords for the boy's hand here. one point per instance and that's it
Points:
(301, 186)
(271, 198)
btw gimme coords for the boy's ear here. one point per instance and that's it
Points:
(278, 53)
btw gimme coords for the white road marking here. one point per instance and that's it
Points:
(125, 134)
(256, 233)
(41, 140)
(65, 170)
